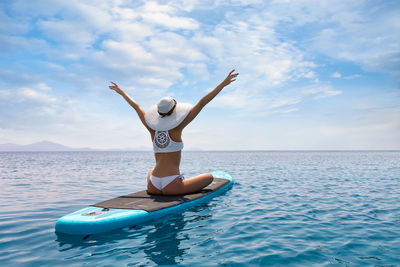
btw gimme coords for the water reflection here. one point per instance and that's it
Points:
(160, 242)
(164, 241)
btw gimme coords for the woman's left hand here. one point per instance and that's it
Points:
(116, 88)
(230, 78)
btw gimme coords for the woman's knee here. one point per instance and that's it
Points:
(189, 185)
(208, 178)
(198, 182)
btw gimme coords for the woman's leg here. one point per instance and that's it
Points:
(187, 186)
(151, 189)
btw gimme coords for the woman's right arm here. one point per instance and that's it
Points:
(132, 103)
(207, 98)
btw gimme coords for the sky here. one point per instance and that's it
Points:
(314, 75)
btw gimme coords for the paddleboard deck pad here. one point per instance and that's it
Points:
(136, 208)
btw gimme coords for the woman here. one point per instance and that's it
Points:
(165, 122)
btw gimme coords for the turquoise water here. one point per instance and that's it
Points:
(285, 209)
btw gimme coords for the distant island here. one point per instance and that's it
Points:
(51, 146)
(40, 146)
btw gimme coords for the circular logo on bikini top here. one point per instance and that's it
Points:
(162, 139)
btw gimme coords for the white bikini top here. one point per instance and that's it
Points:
(162, 143)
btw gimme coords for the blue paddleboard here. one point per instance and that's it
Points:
(136, 208)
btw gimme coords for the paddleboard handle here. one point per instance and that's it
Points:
(93, 213)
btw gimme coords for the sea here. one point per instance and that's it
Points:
(286, 208)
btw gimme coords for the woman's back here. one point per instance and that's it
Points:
(168, 163)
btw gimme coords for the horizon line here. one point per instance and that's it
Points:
(222, 150)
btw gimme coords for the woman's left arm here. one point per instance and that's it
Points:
(133, 104)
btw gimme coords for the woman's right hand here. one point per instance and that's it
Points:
(116, 88)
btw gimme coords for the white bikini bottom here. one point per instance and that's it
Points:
(161, 182)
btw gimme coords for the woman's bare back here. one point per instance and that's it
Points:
(168, 163)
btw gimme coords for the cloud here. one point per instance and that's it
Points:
(12, 78)
(267, 63)
(319, 91)
(66, 31)
(132, 63)
(358, 31)
(354, 76)
(273, 101)
(30, 94)
(162, 15)
(15, 44)
(12, 25)
(366, 38)
(337, 75)
(372, 135)
(289, 110)
(35, 93)
(138, 42)
(5, 94)
(44, 87)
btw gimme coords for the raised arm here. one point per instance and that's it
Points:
(131, 102)
(207, 98)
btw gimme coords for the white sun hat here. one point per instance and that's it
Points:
(167, 114)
